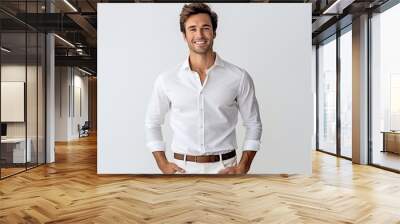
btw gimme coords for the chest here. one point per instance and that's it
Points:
(212, 92)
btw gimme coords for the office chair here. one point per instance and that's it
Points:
(84, 130)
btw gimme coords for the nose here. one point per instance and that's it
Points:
(199, 33)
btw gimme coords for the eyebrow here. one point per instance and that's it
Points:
(205, 25)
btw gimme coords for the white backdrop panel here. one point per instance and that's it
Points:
(12, 101)
(136, 42)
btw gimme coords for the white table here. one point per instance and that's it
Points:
(18, 144)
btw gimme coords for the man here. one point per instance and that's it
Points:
(204, 96)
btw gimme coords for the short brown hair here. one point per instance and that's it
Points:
(196, 8)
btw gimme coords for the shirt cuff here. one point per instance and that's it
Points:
(251, 145)
(156, 146)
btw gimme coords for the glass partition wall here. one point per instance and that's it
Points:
(13, 89)
(22, 77)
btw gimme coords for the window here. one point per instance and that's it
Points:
(346, 93)
(327, 96)
(385, 89)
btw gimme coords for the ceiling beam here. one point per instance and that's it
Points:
(85, 61)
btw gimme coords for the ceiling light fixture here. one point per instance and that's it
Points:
(337, 7)
(79, 51)
(84, 71)
(5, 50)
(64, 40)
(70, 5)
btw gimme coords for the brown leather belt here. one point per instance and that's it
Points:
(205, 158)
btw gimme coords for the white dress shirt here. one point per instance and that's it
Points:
(203, 118)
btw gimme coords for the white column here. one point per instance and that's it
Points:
(50, 92)
(50, 110)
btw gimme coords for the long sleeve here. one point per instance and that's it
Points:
(157, 109)
(248, 108)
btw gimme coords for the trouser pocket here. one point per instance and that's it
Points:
(181, 164)
(229, 162)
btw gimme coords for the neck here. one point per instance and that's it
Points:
(201, 62)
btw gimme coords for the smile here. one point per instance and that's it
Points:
(199, 42)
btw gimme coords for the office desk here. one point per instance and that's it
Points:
(13, 150)
(391, 141)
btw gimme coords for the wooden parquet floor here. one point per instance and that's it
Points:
(70, 191)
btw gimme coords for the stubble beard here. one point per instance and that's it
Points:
(202, 51)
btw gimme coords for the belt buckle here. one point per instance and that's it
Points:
(195, 159)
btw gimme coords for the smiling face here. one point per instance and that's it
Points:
(199, 33)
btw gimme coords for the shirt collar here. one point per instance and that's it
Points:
(218, 62)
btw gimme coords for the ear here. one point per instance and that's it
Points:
(215, 35)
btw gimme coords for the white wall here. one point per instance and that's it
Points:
(61, 103)
(68, 81)
(12, 101)
(79, 117)
(271, 41)
(17, 73)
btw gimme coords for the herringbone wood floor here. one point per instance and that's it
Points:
(70, 191)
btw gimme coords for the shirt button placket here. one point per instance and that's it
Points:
(201, 108)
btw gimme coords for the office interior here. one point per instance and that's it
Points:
(48, 82)
(30, 56)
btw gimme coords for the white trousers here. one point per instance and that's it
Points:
(205, 168)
